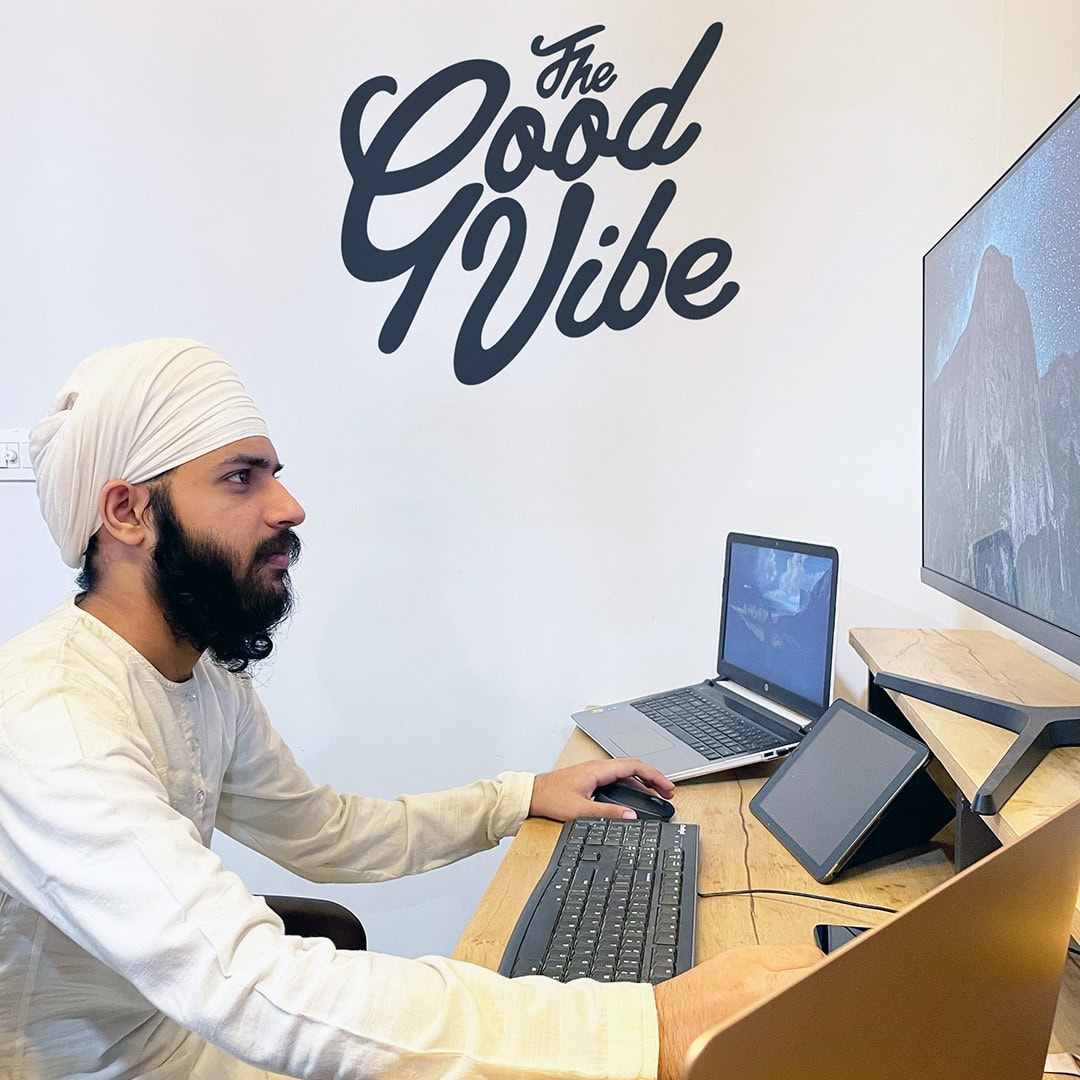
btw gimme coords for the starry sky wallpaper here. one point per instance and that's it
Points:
(1032, 215)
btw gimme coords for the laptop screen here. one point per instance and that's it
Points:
(778, 618)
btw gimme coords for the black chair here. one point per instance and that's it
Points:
(306, 916)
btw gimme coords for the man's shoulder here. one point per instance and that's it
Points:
(44, 639)
(59, 650)
(55, 681)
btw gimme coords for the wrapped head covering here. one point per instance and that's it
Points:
(132, 413)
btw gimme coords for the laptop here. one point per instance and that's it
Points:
(773, 673)
(961, 984)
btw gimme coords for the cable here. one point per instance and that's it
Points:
(1074, 950)
(801, 895)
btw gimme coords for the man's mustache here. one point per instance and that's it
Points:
(285, 542)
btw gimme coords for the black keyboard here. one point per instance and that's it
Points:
(616, 903)
(707, 726)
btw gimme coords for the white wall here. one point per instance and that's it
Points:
(482, 560)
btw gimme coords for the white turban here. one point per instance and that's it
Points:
(131, 413)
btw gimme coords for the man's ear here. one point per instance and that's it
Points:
(123, 507)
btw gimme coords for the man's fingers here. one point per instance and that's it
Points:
(633, 769)
(609, 810)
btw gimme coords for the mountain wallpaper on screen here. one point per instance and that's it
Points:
(1002, 456)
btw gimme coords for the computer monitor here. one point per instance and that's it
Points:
(1001, 401)
(1001, 429)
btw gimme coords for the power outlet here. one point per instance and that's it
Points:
(15, 454)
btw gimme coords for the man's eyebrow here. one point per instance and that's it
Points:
(253, 461)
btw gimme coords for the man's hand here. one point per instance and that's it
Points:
(567, 793)
(707, 994)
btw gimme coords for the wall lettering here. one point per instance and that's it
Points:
(518, 143)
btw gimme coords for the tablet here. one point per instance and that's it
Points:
(828, 795)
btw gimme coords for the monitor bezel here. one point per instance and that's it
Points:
(1051, 636)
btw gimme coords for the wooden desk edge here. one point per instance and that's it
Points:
(1051, 787)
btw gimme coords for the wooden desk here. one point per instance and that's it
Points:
(737, 852)
(983, 662)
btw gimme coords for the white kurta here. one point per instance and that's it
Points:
(127, 950)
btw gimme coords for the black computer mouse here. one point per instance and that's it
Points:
(644, 803)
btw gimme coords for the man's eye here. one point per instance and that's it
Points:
(241, 476)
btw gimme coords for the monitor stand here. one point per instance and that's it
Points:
(1039, 729)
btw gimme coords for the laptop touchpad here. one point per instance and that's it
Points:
(640, 743)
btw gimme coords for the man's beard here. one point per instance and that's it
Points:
(211, 602)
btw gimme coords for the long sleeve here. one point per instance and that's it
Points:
(269, 803)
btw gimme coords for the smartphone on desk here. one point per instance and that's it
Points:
(829, 936)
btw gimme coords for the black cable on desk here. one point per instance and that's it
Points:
(801, 895)
(1073, 949)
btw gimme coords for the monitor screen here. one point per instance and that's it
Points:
(778, 618)
(1001, 401)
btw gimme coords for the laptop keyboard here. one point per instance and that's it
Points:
(616, 903)
(711, 729)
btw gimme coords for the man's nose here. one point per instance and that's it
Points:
(287, 512)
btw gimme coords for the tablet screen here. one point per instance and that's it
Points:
(836, 784)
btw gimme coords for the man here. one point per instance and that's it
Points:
(129, 731)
